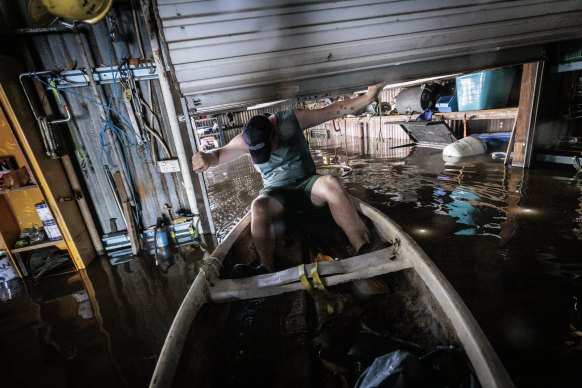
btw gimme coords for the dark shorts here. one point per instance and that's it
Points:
(296, 196)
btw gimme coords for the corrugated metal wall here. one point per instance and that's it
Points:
(105, 40)
(230, 53)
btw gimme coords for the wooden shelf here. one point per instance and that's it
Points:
(32, 247)
(24, 188)
(489, 114)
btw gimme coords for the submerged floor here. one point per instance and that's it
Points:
(508, 239)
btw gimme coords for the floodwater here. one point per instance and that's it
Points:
(100, 327)
(508, 239)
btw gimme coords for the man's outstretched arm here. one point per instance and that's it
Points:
(311, 118)
(236, 148)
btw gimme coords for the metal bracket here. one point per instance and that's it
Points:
(101, 75)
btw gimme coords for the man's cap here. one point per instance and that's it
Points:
(257, 134)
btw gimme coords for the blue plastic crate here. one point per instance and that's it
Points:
(488, 89)
(447, 104)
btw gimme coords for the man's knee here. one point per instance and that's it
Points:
(267, 215)
(329, 188)
(265, 206)
(260, 205)
(332, 184)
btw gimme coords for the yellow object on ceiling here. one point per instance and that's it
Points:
(45, 12)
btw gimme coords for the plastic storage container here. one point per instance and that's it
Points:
(447, 104)
(486, 89)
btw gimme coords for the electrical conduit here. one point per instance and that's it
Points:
(171, 110)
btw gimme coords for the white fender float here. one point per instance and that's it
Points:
(467, 146)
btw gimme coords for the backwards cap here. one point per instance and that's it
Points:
(257, 134)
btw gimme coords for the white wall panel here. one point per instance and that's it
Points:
(230, 53)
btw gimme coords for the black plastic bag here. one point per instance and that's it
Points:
(401, 369)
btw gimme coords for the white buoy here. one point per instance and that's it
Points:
(465, 147)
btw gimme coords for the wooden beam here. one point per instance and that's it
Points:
(331, 273)
(510, 144)
(131, 228)
(526, 117)
(488, 114)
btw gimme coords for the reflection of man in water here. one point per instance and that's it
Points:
(280, 152)
(465, 213)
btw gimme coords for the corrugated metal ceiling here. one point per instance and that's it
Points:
(232, 53)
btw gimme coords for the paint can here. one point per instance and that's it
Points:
(48, 221)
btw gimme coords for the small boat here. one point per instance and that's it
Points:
(325, 316)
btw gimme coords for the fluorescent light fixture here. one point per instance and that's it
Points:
(265, 104)
(414, 82)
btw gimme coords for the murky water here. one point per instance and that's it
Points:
(103, 327)
(508, 239)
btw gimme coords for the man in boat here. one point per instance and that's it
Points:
(280, 152)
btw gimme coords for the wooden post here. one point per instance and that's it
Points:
(127, 214)
(510, 145)
(526, 116)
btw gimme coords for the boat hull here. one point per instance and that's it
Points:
(296, 327)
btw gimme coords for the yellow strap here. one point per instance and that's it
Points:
(322, 257)
(316, 279)
(304, 280)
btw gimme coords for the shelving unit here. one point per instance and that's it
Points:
(17, 206)
(20, 139)
(29, 187)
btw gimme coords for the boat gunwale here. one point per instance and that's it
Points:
(195, 298)
(487, 365)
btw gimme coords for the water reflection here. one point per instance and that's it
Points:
(10, 289)
(508, 239)
(103, 327)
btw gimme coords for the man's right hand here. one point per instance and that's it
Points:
(376, 89)
(202, 160)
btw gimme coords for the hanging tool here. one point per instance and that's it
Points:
(127, 214)
(122, 179)
(134, 103)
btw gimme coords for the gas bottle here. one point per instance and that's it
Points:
(161, 235)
